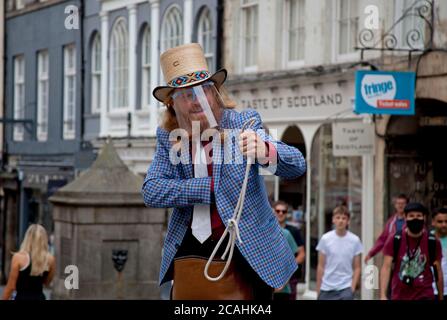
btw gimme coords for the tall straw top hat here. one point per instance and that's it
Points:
(185, 66)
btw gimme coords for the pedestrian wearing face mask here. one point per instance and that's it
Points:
(413, 252)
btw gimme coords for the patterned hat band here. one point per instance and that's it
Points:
(189, 78)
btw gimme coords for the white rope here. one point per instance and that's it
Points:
(233, 224)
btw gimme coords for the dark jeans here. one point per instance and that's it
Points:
(344, 294)
(192, 247)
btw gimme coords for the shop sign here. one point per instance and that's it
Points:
(286, 103)
(352, 139)
(42, 179)
(384, 92)
(433, 121)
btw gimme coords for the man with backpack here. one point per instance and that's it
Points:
(413, 252)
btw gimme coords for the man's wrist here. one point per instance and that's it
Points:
(270, 154)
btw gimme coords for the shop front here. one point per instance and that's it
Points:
(415, 162)
(410, 149)
(36, 186)
(301, 112)
(25, 193)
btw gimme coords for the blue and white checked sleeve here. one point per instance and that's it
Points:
(163, 189)
(290, 163)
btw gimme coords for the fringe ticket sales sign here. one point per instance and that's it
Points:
(384, 92)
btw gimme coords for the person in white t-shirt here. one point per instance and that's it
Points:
(339, 261)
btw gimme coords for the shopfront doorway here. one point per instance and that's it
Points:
(334, 181)
(294, 191)
(416, 161)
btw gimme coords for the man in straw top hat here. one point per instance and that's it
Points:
(191, 173)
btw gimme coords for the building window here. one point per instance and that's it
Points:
(96, 75)
(146, 68)
(249, 33)
(42, 95)
(334, 181)
(347, 25)
(412, 27)
(19, 96)
(295, 29)
(20, 4)
(172, 29)
(69, 91)
(119, 62)
(205, 36)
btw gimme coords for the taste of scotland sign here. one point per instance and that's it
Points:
(290, 104)
(352, 139)
(384, 92)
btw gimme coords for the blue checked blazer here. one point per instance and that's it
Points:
(170, 185)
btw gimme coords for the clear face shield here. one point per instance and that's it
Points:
(200, 106)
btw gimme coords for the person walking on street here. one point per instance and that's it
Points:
(414, 254)
(394, 224)
(281, 208)
(339, 261)
(32, 267)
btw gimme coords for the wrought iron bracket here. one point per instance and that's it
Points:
(416, 40)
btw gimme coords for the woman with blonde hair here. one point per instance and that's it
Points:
(32, 267)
